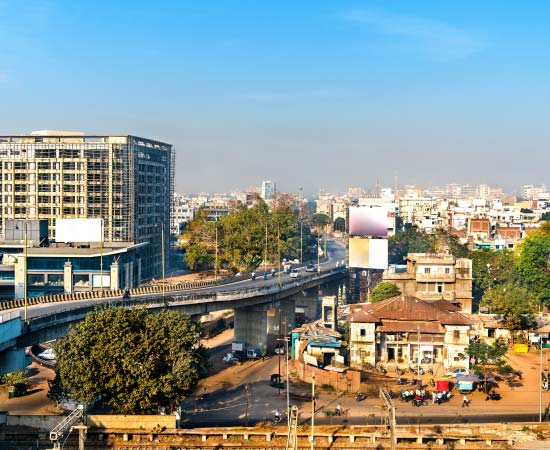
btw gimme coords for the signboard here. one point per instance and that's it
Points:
(368, 221)
(96, 281)
(368, 253)
(311, 360)
(79, 230)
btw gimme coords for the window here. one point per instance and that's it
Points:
(447, 270)
(426, 270)
(362, 332)
(456, 335)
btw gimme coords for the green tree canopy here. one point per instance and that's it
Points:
(319, 220)
(533, 263)
(410, 241)
(545, 217)
(512, 301)
(488, 357)
(383, 291)
(135, 360)
(244, 238)
(490, 269)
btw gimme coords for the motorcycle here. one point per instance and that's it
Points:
(277, 418)
(402, 381)
(360, 396)
(253, 276)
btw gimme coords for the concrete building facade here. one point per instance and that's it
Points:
(125, 180)
(433, 277)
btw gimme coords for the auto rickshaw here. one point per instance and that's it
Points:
(277, 381)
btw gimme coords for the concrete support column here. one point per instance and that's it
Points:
(251, 327)
(115, 276)
(68, 278)
(20, 270)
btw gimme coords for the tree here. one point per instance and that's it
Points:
(339, 224)
(135, 360)
(320, 220)
(487, 357)
(532, 269)
(383, 291)
(490, 269)
(410, 241)
(516, 303)
(545, 217)
(12, 378)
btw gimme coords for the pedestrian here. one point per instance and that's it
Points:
(434, 397)
(465, 401)
(339, 409)
(177, 413)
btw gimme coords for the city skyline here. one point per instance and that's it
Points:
(316, 94)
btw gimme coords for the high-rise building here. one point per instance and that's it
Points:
(125, 180)
(268, 189)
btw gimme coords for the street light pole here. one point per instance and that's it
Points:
(312, 439)
(25, 273)
(318, 255)
(301, 232)
(418, 351)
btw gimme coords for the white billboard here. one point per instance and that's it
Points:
(368, 253)
(78, 230)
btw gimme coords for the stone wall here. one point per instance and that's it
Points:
(139, 422)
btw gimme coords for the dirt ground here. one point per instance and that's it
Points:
(518, 394)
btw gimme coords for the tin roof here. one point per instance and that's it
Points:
(407, 308)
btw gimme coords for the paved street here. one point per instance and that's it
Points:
(226, 404)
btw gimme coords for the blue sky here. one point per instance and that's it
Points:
(319, 94)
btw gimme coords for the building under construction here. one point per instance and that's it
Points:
(125, 180)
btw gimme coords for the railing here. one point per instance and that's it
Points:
(153, 300)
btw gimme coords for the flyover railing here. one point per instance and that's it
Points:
(154, 300)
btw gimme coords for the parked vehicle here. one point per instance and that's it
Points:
(253, 353)
(230, 358)
(279, 350)
(458, 372)
(360, 396)
(47, 354)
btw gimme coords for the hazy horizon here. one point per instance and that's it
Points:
(320, 94)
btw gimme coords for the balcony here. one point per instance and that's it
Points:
(431, 296)
(435, 277)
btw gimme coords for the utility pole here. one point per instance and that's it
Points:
(265, 250)
(318, 255)
(25, 273)
(418, 356)
(312, 438)
(216, 261)
(279, 354)
(162, 246)
(279, 254)
(301, 231)
(246, 407)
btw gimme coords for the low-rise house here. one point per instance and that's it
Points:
(316, 345)
(403, 329)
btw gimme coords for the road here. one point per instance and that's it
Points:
(336, 253)
(227, 402)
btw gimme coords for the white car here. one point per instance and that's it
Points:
(294, 273)
(457, 372)
(47, 354)
(279, 350)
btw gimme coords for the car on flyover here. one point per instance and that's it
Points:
(294, 273)
(310, 268)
